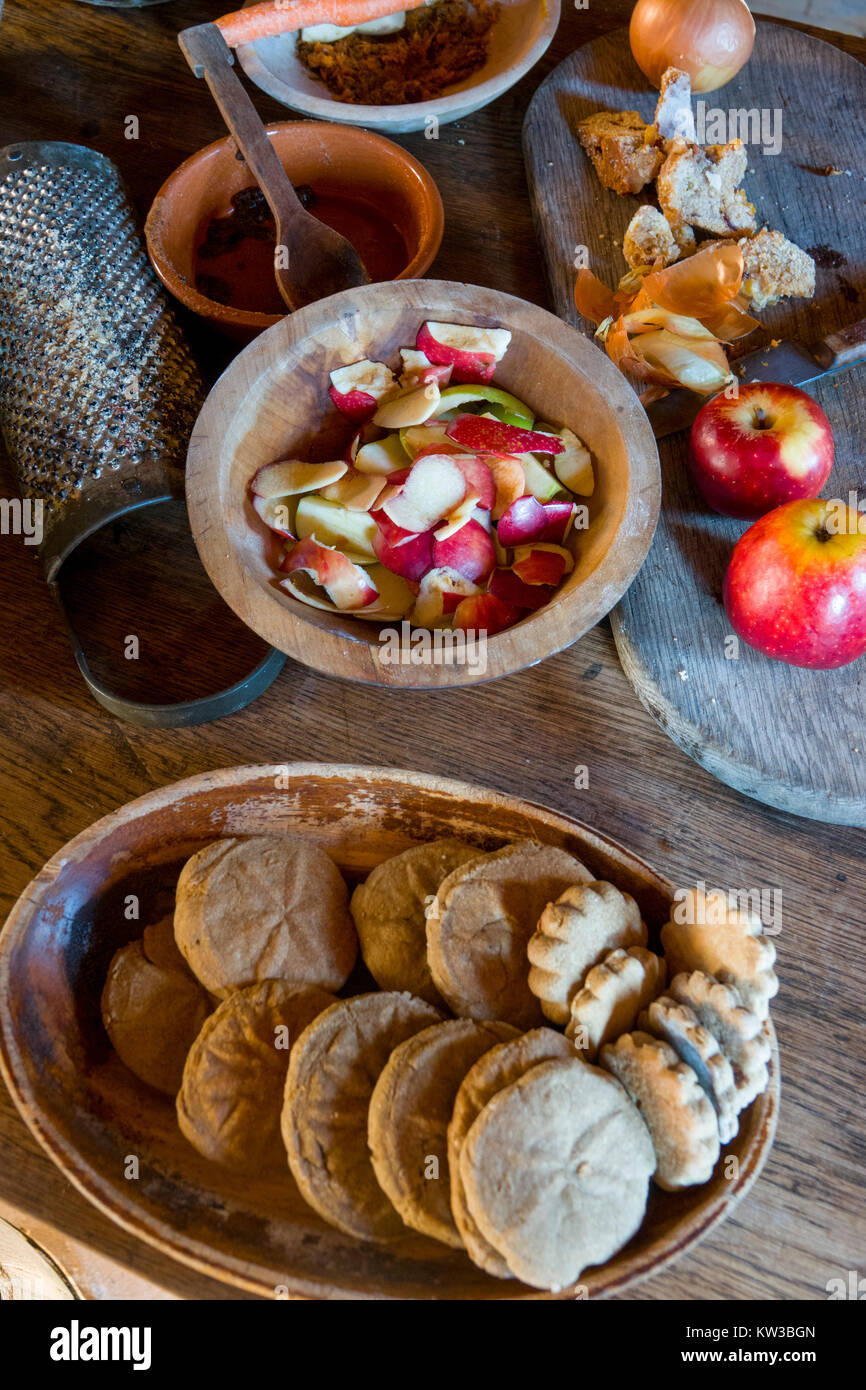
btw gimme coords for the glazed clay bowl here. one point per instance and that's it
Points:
(272, 403)
(519, 38)
(88, 1112)
(337, 161)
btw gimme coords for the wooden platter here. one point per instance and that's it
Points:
(90, 1113)
(792, 738)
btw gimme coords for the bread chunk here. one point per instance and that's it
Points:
(774, 268)
(700, 187)
(619, 143)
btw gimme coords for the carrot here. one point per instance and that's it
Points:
(286, 16)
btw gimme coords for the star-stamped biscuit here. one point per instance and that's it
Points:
(695, 1045)
(706, 933)
(613, 994)
(741, 1035)
(675, 1109)
(574, 934)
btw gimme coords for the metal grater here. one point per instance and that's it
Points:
(98, 390)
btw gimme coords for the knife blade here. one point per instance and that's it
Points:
(792, 363)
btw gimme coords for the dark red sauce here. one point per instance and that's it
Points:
(233, 261)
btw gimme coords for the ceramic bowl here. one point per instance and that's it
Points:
(520, 36)
(334, 159)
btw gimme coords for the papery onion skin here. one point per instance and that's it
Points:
(709, 39)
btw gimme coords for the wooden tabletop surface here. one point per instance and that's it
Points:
(70, 71)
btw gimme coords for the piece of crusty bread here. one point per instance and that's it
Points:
(775, 268)
(619, 143)
(699, 186)
(651, 241)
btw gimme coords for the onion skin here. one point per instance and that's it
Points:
(709, 39)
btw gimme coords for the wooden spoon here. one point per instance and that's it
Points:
(319, 262)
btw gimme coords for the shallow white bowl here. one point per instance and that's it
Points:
(518, 39)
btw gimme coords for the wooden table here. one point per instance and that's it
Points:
(69, 71)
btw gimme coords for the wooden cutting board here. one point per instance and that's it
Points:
(795, 739)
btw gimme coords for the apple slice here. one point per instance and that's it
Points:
(479, 478)
(484, 613)
(276, 513)
(337, 526)
(573, 467)
(456, 396)
(410, 557)
(418, 370)
(435, 486)
(381, 455)
(540, 481)
(439, 594)
(509, 480)
(468, 551)
(508, 586)
(395, 596)
(472, 351)
(527, 519)
(356, 491)
(347, 585)
(465, 512)
(364, 434)
(483, 433)
(357, 388)
(542, 563)
(290, 476)
(410, 407)
(418, 437)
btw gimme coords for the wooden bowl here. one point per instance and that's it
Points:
(273, 402)
(89, 1112)
(335, 159)
(519, 38)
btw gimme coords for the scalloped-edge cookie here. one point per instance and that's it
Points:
(556, 1170)
(723, 941)
(695, 1045)
(613, 994)
(674, 1106)
(480, 921)
(498, 1068)
(574, 934)
(740, 1033)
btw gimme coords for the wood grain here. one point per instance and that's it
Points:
(761, 726)
(273, 403)
(63, 762)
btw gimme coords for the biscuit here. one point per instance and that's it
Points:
(266, 908)
(574, 933)
(695, 1045)
(498, 1068)
(723, 941)
(410, 1109)
(744, 1040)
(152, 1016)
(390, 914)
(478, 926)
(556, 1170)
(333, 1068)
(677, 1113)
(613, 994)
(160, 947)
(230, 1101)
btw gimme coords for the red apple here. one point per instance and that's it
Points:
(528, 520)
(768, 445)
(468, 551)
(795, 587)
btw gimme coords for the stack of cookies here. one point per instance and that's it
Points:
(510, 1089)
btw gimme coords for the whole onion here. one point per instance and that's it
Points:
(709, 39)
